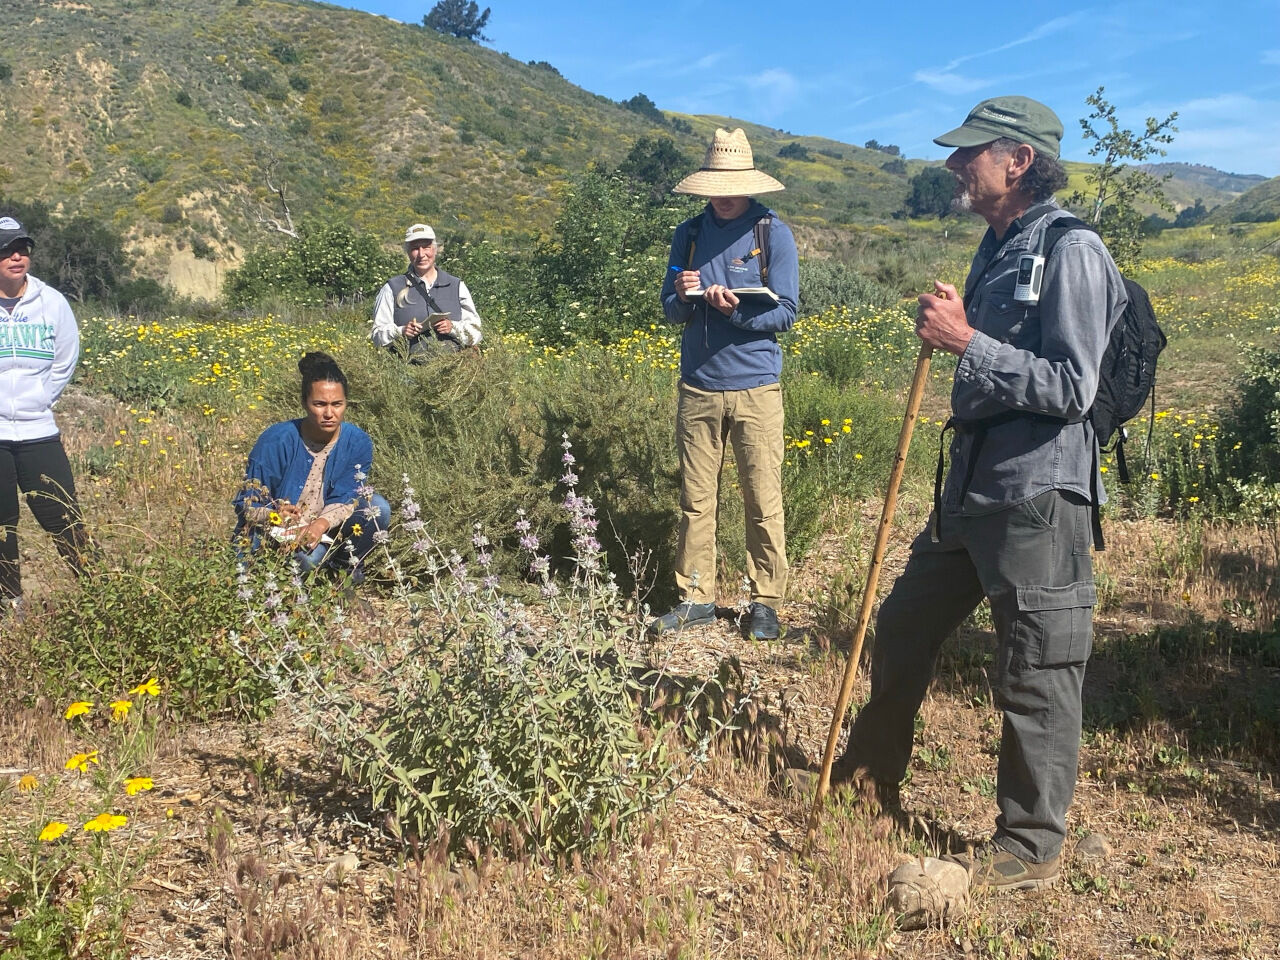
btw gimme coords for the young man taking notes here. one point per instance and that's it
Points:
(730, 365)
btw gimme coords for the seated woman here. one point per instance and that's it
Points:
(305, 478)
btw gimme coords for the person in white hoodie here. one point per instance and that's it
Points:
(39, 346)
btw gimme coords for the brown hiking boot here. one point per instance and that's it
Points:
(997, 869)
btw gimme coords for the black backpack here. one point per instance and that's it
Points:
(1128, 373)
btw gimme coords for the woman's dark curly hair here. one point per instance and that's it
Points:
(318, 367)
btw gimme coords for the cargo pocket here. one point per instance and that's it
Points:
(1055, 624)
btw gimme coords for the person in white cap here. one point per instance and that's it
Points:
(430, 310)
(730, 366)
(39, 346)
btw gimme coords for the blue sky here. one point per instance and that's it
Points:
(903, 72)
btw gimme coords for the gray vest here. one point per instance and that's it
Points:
(408, 303)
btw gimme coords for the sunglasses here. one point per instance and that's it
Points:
(23, 247)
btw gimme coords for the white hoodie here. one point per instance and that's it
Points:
(39, 346)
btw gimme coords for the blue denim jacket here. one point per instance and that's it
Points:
(1040, 359)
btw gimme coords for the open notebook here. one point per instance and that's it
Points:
(740, 293)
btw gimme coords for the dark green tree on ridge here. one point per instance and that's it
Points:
(458, 18)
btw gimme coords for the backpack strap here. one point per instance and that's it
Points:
(1059, 228)
(761, 234)
(695, 224)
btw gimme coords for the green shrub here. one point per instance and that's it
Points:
(483, 723)
(182, 98)
(284, 53)
(1253, 419)
(325, 263)
(299, 83)
(830, 283)
(167, 613)
(795, 151)
(262, 81)
(201, 249)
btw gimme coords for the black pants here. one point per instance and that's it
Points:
(38, 468)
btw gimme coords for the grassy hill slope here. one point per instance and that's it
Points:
(172, 120)
(1262, 203)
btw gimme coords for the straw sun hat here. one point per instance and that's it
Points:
(729, 170)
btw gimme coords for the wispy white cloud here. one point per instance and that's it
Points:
(647, 65)
(1232, 131)
(945, 81)
(1048, 29)
(1271, 58)
(673, 66)
(773, 91)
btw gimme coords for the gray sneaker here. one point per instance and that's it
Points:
(762, 622)
(683, 615)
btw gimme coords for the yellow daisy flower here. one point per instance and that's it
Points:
(135, 785)
(106, 822)
(81, 761)
(120, 709)
(78, 709)
(52, 831)
(151, 688)
(27, 783)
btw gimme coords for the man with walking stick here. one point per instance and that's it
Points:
(1015, 519)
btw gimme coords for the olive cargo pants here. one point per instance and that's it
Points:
(1033, 562)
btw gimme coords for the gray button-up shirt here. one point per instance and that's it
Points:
(1041, 358)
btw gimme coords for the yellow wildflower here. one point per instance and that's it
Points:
(27, 783)
(52, 831)
(106, 822)
(78, 709)
(135, 785)
(81, 761)
(356, 530)
(120, 709)
(151, 687)
(273, 519)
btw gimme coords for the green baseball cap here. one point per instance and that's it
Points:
(1018, 118)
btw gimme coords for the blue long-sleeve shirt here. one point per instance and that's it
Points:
(739, 351)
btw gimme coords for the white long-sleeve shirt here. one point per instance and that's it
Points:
(465, 327)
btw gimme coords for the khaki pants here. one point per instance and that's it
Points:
(752, 421)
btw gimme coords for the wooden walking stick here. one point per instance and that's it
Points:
(873, 579)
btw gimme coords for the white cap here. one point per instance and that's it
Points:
(419, 231)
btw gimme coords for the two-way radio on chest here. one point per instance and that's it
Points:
(1026, 288)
